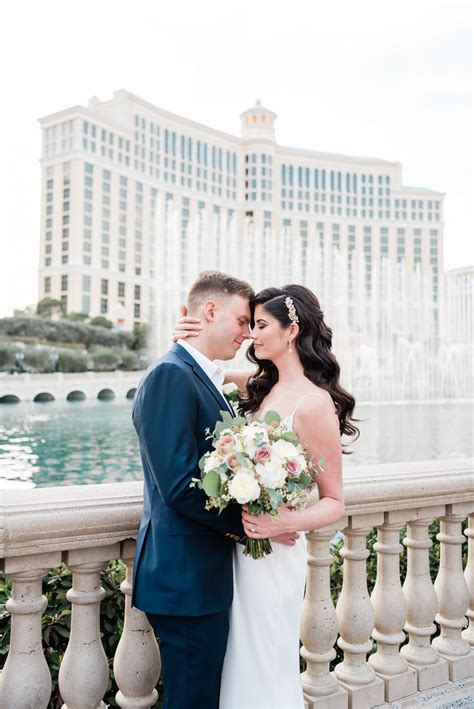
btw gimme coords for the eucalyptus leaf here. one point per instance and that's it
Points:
(275, 497)
(304, 479)
(211, 483)
(220, 426)
(272, 417)
(242, 458)
(289, 436)
(239, 421)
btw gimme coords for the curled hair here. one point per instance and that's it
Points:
(313, 345)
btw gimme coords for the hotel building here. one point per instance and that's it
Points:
(137, 200)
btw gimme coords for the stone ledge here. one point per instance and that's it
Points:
(447, 696)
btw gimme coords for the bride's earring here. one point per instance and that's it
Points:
(289, 346)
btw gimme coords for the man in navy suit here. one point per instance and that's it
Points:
(183, 560)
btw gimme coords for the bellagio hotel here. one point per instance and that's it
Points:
(137, 200)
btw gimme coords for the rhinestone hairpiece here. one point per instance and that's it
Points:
(291, 309)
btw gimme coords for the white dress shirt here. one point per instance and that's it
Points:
(213, 371)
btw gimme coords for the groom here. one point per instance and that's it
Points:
(183, 560)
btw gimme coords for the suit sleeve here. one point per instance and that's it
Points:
(165, 417)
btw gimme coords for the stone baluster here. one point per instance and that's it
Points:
(319, 627)
(84, 671)
(26, 681)
(356, 618)
(453, 597)
(137, 663)
(390, 615)
(468, 633)
(432, 670)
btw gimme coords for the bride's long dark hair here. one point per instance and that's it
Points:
(313, 345)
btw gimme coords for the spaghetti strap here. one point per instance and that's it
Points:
(313, 393)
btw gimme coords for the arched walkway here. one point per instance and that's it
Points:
(106, 395)
(9, 399)
(76, 395)
(44, 396)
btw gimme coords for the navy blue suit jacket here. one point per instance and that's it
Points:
(183, 558)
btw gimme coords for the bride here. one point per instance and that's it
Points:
(297, 375)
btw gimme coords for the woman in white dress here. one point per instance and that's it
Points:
(298, 376)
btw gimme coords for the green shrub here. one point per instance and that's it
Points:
(65, 331)
(7, 355)
(104, 359)
(129, 360)
(48, 306)
(71, 361)
(100, 321)
(37, 360)
(76, 317)
(141, 334)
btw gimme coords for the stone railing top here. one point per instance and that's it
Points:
(48, 519)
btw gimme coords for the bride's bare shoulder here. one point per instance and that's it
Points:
(315, 398)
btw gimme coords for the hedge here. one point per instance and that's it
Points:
(65, 331)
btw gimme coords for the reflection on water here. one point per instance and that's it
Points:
(65, 443)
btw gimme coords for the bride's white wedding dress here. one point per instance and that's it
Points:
(261, 666)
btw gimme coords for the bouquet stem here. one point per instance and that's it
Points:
(257, 548)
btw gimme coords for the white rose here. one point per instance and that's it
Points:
(211, 463)
(244, 488)
(271, 474)
(284, 449)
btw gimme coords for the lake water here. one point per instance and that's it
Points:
(64, 443)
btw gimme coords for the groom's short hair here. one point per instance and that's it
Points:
(210, 284)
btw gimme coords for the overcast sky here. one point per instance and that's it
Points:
(385, 79)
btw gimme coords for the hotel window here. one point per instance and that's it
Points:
(103, 305)
(47, 284)
(137, 292)
(63, 282)
(121, 290)
(104, 286)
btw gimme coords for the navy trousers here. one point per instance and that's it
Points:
(192, 654)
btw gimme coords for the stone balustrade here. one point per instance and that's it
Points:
(86, 526)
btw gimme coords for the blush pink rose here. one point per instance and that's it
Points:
(226, 443)
(232, 462)
(293, 467)
(262, 454)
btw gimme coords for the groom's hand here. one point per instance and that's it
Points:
(287, 539)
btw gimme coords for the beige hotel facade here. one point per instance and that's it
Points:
(136, 200)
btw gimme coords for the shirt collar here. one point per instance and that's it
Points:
(212, 369)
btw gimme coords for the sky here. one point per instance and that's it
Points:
(388, 80)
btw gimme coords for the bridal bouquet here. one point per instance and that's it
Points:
(261, 464)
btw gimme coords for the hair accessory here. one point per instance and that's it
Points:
(291, 309)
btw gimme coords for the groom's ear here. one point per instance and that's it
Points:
(210, 309)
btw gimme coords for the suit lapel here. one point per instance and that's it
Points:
(202, 376)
